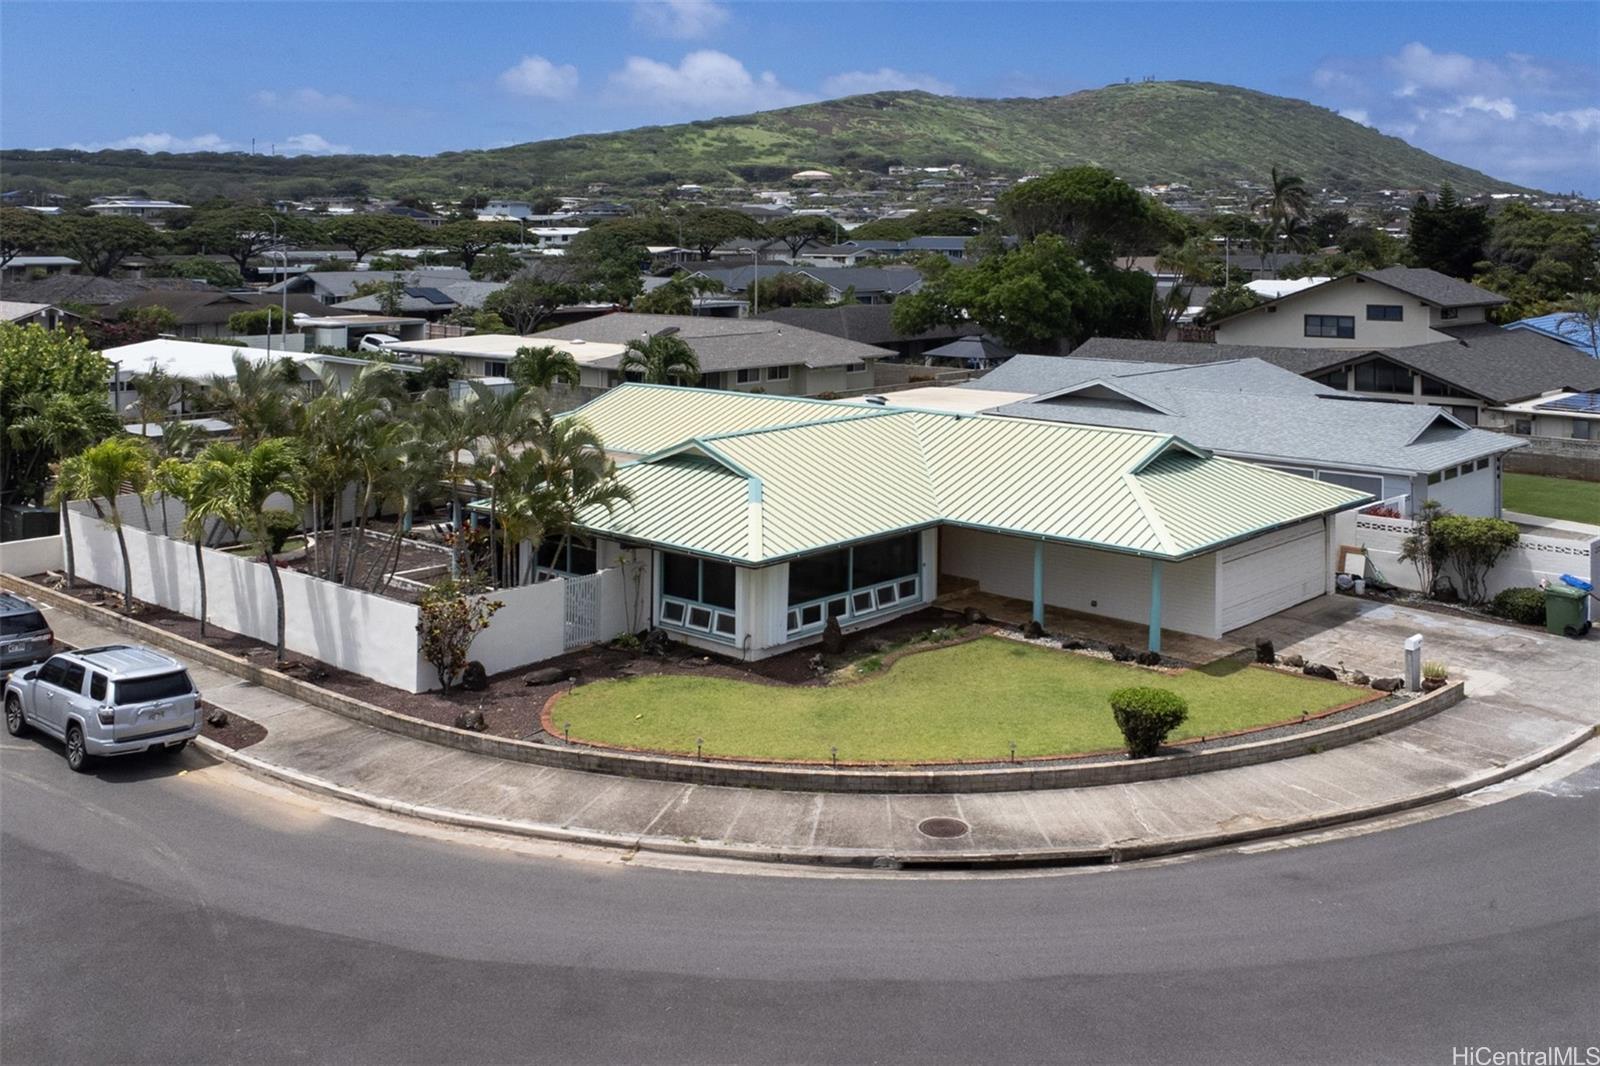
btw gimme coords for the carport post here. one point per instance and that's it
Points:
(1038, 583)
(1155, 605)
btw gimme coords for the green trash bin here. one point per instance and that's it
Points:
(1566, 610)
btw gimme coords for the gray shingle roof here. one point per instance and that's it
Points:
(1252, 409)
(866, 323)
(726, 343)
(1039, 374)
(1439, 289)
(1500, 365)
(862, 279)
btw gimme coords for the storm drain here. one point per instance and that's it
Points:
(943, 827)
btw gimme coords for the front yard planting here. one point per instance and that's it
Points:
(965, 702)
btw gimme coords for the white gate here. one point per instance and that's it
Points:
(581, 623)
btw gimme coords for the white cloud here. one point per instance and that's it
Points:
(854, 82)
(704, 79)
(683, 20)
(1356, 114)
(305, 99)
(311, 144)
(162, 142)
(537, 76)
(1500, 106)
(1420, 67)
(1579, 120)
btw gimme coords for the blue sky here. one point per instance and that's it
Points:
(1513, 89)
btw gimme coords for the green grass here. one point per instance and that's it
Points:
(968, 701)
(1551, 497)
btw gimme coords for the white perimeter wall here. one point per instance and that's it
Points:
(1533, 558)
(1082, 579)
(34, 556)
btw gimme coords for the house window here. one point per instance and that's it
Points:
(1448, 312)
(494, 368)
(1341, 326)
(1483, 464)
(1450, 475)
(1334, 379)
(1380, 375)
(1385, 313)
(1432, 387)
(853, 583)
(1466, 414)
(749, 375)
(711, 381)
(1522, 427)
(855, 368)
(1435, 477)
(777, 373)
(1360, 482)
(576, 556)
(1580, 429)
(698, 594)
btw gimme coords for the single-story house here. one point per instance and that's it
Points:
(1568, 414)
(1568, 327)
(868, 324)
(205, 313)
(974, 352)
(759, 518)
(850, 252)
(61, 289)
(745, 354)
(29, 314)
(419, 301)
(37, 266)
(346, 331)
(867, 285)
(1395, 307)
(199, 362)
(332, 286)
(1251, 410)
(1474, 374)
(487, 356)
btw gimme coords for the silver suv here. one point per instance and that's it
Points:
(25, 636)
(114, 700)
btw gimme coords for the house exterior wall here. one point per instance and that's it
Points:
(1474, 493)
(1285, 326)
(1083, 579)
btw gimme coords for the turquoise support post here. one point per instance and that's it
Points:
(1038, 582)
(1155, 605)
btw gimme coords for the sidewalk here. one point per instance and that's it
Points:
(1476, 743)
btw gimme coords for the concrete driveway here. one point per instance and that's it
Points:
(1505, 666)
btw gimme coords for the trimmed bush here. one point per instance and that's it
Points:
(1523, 605)
(1146, 716)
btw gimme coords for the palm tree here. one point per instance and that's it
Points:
(578, 474)
(202, 486)
(270, 468)
(106, 470)
(661, 359)
(69, 486)
(256, 399)
(1287, 201)
(50, 426)
(455, 429)
(543, 366)
(505, 419)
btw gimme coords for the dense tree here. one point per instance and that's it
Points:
(797, 231)
(1328, 226)
(53, 389)
(883, 229)
(368, 233)
(24, 232)
(704, 228)
(1522, 237)
(788, 290)
(661, 359)
(256, 399)
(262, 320)
(467, 240)
(528, 301)
(497, 264)
(677, 296)
(199, 268)
(242, 232)
(101, 243)
(1229, 300)
(1446, 235)
(541, 366)
(1092, 209)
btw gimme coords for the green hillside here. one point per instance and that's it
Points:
(1199, 133)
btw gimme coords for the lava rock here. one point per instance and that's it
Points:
(1319, 670)
(1033, 630)
(973, 617)
(218, 718)
(545, 675)
(472, 720)
(1121, 653)
(1293, 662)
(1358, 678)
(832, 637)
(817, 665)
(1074, 645)
(1265, 652)
(1388, 684)
(475, 678)
(1148, 658)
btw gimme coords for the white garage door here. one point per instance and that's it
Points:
(1265, 575)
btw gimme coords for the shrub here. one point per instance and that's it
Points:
(448, 621)
(280, 524)
(1472, 546)
(1525, 605)
(1146, 716)
(1435, 670)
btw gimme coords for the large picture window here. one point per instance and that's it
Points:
(1380, 375)
(1341, 326)
(854, 582)
(1385, 313)
(576, 556)
(698, 594)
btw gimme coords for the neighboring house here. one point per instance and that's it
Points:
(1396, 307)
(1476, 372)
(1568, 414)
(64, 289)
(1251, 410)
(867, 285)
(756, 519)
(851, 252)
(867, 324)
(334, 286)
(969, 353)
(487, 356)
(745, 354)
(47, 315)
(200, 362)
(419, 301)
(347, 330)
(151, 211)
(1568, 327)
(426, 219)
(206, 313)
(19, 267)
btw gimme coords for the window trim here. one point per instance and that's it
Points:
(1338, 326)
(778, 373)
(710, 620)
(859, 602)
(1386, 313)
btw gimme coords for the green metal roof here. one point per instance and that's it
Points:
(758, 494)
(634, 419)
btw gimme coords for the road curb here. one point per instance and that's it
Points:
(878, 859)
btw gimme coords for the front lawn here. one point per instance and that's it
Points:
(967, 701)
(1551, 497)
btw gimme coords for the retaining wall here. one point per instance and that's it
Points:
(1532, 560)
(34, 556)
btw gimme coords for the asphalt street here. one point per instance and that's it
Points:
(149, 914)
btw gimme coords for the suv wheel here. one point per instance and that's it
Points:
(16, 723)
(77, 754)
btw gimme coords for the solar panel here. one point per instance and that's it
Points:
(1583, 402)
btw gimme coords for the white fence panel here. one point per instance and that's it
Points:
(1532, 560)
(33, 556)
(528, 629)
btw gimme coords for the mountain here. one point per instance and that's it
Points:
(1202, 134)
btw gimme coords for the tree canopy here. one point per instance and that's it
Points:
(1446, 235)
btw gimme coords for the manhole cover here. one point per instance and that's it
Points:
(943, 827)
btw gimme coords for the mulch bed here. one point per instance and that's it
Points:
(510, 707)
(238, 733)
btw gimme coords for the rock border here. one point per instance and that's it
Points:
(991, 778)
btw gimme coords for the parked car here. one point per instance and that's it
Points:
(376, 342)
(114, 700)
(25, 637)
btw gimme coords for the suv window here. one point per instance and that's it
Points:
(53, 672)
(72, 676)
(97, 687)
(20, 622)
(145, 689)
